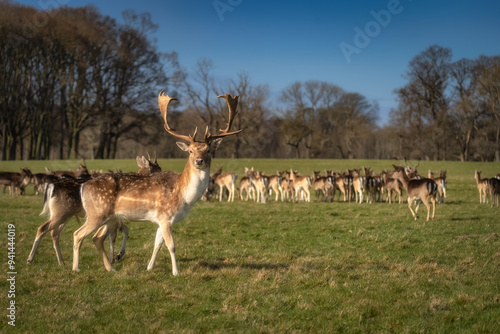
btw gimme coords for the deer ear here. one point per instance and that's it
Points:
(215, 143)
(183, 146)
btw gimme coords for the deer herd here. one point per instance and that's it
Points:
(108, 200)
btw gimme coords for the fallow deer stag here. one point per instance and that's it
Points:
(417, 189)
(62, 200)
(163, 198)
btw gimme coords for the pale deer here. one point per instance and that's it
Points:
(420, 190)
(246, 185)
(288, 187)
(441, 183)
(359, 185)
(164, 198)
(260, 183)
(226, 181)
(302, 184)
(275, 185)
(482, 186)
(62, 200)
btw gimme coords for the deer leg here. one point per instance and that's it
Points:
(112, 238)
(53, 223)
(410, 203)
(98, 239)
(124, 243)
(158, 243)
(55, 233)
(90, 226)
(169, 241)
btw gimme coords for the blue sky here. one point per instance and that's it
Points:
(280, 42)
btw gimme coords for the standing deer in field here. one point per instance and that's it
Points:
(226, 180)
(494, 189)
(62, 200)
(246, 185)
(417, 190)
(16, 181)
(359, 185)
(164, 198)
(441, 183)
(482, 186)
(302, 184)
(392, 185)
(275, 185)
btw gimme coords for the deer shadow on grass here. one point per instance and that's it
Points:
(220, 264)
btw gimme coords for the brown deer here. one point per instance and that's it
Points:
(226, 180)
(392, 185)
(275, 185)
(482, 186)
(417, 189)
(302, 184)
(494, 189)
(246, 185)
(62, 200)
(164, 198)
(16, 181)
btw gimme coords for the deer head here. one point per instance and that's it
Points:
(200, 152)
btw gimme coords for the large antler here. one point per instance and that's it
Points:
(163, 101)
(232, 104)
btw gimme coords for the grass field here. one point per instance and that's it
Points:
(274, 267)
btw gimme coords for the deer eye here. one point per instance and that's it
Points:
(208, 151)
(190, 151)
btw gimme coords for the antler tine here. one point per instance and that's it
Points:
(156, 159)
(232, 104)
(149, 158)
(163, 102)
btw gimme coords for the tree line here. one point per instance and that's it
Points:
(79, 84)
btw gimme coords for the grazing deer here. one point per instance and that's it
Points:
(417, 189)
(392, 185)
(302, 184)
(62, 200)
(164, 198)
(494, 188)
(275, 185)
(441, 183)
(246, 185)
(482, 186)
(226, 180)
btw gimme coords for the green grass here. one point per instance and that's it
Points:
(274, 267)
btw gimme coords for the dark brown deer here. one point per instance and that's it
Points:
(164, 198)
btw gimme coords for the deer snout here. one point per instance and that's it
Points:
(199, 162)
